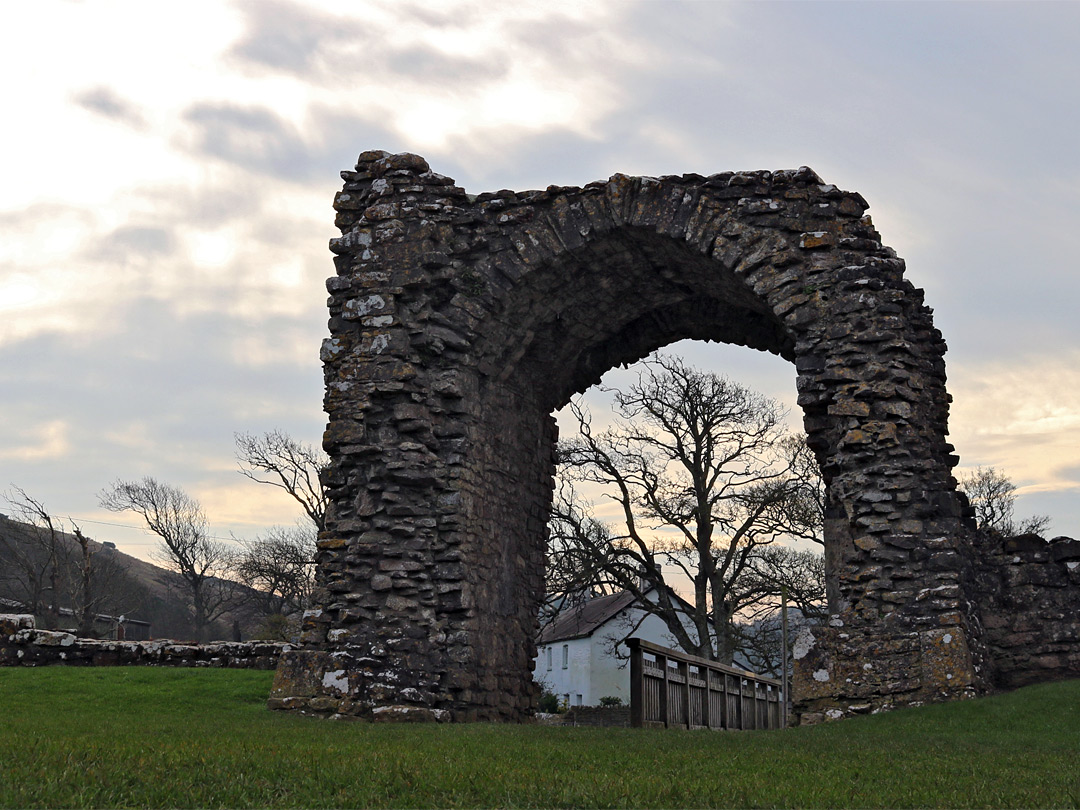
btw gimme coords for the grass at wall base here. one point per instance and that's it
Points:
(150, 737)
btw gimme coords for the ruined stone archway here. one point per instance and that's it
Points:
(458, 324)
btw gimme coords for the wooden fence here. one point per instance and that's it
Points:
(670, 689)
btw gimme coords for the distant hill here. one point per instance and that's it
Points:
(135, 588)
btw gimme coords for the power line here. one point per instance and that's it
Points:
(142, 529)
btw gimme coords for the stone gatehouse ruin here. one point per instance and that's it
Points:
(458, 324)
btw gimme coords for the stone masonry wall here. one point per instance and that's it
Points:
(1025, 593)
(457, 325)
(21, 644)
(1028, 591)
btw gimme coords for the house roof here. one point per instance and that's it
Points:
(583, 620)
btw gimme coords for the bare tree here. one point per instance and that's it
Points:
(33, 544)
(801, 573)
(993, 496)
(97, 582)
(200, 563)
(761, 641)
(573, 565)
(279, 568)
(55, 567)
(277, 459)
(705, 477)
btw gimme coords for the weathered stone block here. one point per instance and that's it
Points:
(12, 623)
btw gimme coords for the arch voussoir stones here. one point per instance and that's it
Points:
(459, 323)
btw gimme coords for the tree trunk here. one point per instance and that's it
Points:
(86, 619)
(52, 615)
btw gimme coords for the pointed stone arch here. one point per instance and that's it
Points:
(458, 324)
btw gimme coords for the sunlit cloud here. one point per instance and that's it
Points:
(105, 101)
(244, 507)
(1022, 417)
(213, 248)
(470, 69)
(39, 443)
(166, 206)
(44, 233)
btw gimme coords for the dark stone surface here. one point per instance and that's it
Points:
(1028, 592)
(458, 324)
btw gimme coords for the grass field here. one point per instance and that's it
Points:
(148, 737)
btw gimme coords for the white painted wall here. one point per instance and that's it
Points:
(573, 679)
(591, 670)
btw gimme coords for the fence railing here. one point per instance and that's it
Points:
(670, 689)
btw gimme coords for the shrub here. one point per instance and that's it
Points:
(549, 703)
(610, 701)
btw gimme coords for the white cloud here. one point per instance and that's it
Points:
(43, 442)
(1023, 418)
(166, 201)
(211, 248)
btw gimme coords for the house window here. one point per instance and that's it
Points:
(548, 651)
(565, 656)
(577, 700)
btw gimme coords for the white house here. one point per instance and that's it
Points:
(575, 659)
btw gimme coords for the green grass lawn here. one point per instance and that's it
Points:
(149, 737)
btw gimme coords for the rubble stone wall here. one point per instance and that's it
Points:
(1025, 595)
(458, 323)
(1028, 591)
(21, 644)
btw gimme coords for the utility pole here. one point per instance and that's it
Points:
(783, 657)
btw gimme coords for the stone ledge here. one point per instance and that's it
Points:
(22, 644)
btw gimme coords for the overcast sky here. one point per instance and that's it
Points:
(168, 172)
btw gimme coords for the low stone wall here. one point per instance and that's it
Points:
(22, 644)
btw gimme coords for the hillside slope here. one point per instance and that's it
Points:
(133, 587)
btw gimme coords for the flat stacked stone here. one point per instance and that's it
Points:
(22, 644)
(459, 323)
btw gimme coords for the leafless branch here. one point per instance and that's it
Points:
(275, 458)
(706, 479)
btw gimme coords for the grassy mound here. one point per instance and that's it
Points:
(147, 737)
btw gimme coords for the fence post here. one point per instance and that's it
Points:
(753, 704)
(706, 705)
(757, 704)
(725, 712)
(637, 683)
(685, 666)
(783, 656)
(662, 660)
(740, 712)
